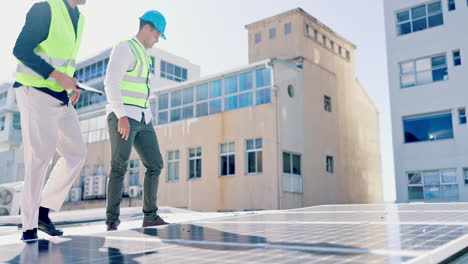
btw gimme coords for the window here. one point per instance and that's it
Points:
(465, 175)
(91, 99)
(340, 51)
(456, 57)
(433, 185)
(254, 156)
(291, 91)
(422, 71)
(348, 55)
(133, 172)
(195, 165)
(272, 32)
(3, 98)
(228, 162)
(327, 105)
(232, 92)
(329, 166)
(451, 5)
(287, 28)
(152, 64)
(428, 127)
(2, 123)
(419, 18)
(292, 177)
(173, 166)
(258, 37)
(94, 129)
(315, 34)
(324, 40)
(173, 72)
(16, 121)
(332, 45)
(462, 116)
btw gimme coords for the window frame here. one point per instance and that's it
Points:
(175, 159)
(227, 154)
(255, 150)
(195, 158)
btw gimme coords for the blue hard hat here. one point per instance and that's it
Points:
(157, 19)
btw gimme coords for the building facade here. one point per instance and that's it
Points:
(428, 98)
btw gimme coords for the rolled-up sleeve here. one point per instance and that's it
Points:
(121, 60)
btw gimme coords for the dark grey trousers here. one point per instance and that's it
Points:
(143, 138)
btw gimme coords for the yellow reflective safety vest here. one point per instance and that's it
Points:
(59, 49)
(134, 86)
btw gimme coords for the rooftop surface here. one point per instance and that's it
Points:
(381, 233)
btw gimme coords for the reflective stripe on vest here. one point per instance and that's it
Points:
(135, 83)
(60, 49)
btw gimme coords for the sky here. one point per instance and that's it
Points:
(211, 33)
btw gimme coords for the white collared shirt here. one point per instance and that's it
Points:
(122, 60)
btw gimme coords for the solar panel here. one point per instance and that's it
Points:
(394, 233)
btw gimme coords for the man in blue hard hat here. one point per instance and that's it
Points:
(127, 86)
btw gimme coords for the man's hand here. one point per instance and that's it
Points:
(124, 127)
(67, 82)
(75, 97)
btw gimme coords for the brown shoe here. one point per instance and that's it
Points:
(156, 222)
(111, 226)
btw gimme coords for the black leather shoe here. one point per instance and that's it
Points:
(111, 226)
(29, 235)
(156, 222)
(49, 228)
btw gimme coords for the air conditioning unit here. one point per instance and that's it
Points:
(99, 186)
(134, 191)
(88, 190)
(75, 194)
(10, 198)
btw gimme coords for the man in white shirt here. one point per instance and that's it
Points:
(127, 86)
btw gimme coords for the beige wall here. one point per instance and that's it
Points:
(212, 192)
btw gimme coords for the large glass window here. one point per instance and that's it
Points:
(195, 163)
(292, 176)
(3, 98)
(428, 127)
(94, 129)
(16, 121)
(233, 92)
(435, 185)
(172, 72)
(419, 18)
(173, 165)
(425, 70)
(254, 156)
(90, 99)
(228, 159)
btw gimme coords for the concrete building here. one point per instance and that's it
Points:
(427, 82)
(293, 128)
